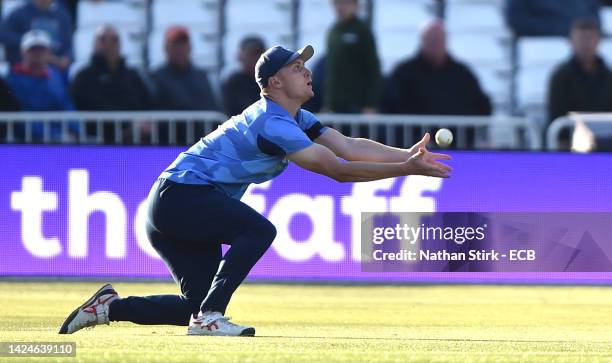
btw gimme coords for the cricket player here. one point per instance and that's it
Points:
(195, 204)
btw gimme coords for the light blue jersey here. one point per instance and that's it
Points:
(248, 148)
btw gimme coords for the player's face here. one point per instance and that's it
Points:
(296, 81)
(107, 43)
(345, 9)
(43, 4)
(36, 56)
(248, 58)
(433, 44)
(585, 43)
(178, 53)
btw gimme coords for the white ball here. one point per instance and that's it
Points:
(444, 137)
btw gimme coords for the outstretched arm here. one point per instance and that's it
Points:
(319, 159)
(357, 149)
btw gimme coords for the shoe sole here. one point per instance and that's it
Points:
(248, 332)
(101, 291)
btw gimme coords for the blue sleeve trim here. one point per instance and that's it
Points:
(314, 131)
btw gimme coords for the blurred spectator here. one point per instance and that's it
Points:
(240, 89)
(8, 102)
(43, 15)
(433, 82)
(107, 83)
(37, 85)
(584, 82)
(180, 85)
(352, 82)
(548, 17)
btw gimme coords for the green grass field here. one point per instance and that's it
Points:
(298, 323)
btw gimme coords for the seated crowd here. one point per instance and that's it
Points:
(38, 42)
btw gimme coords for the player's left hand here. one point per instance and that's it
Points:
(426, 163)
(421, 144)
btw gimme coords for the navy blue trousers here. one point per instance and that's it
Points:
(186, 225)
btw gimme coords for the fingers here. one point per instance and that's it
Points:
(425, 140)
(445, 168)
(423, 150)
(442, 168)
(439, 170)
(443, 174)
(430, 165)
(440, 156)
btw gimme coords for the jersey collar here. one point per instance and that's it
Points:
(277, 109)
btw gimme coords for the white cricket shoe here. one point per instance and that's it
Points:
(214, 323)
(93, 312)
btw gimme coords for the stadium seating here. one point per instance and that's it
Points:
(495, 82)
(315, 17)
(488, 56)
(605, 51)
(204, 15)
(401, 14)
(477, 32)
(606, 19)
(131, 45)
(130, 13)
(204, 48)
(537, 57)
(268, 13)
(129, 17)
(483, 16)
(480, 48)
(4, 65)
(269, 19)
(9, 5)
(394, 48)
(396, 26)
(478, 36)
(203, 20)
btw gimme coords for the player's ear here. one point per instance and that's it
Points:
(274, 82)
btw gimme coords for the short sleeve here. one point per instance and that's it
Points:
(310, 125)
(280, 136)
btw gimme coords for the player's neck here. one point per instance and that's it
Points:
(290, 105)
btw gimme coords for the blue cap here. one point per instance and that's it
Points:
(275, 58)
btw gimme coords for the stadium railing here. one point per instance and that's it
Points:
(491, 132)
(569, 122)
(127, 127)
(185, 127)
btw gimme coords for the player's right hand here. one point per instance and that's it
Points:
(426, 163)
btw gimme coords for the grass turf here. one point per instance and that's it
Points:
(298, 323)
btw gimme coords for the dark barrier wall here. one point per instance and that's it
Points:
(77, 211)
